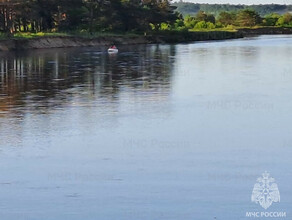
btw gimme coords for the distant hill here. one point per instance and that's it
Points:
(187, 8)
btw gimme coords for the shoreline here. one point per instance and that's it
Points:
(264, 31)
(73, 41)
(168, 37)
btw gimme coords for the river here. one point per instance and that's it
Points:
(156, 132)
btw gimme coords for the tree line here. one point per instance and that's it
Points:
(233, 20)
(137, 16)
(187, 8)
(84, 15)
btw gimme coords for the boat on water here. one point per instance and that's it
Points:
(110, 50)
(113, 49)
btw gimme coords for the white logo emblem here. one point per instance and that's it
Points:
(265, 191)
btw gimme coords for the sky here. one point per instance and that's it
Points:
(248, 2)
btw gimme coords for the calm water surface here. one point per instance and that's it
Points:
(152, 133)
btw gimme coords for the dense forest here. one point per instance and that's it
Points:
(89, 15)
(187, 8)
(130, 16)
(234, 20)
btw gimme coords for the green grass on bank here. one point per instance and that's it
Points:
(85, 34)
(213, 30)
(29, 35)
(231, 28)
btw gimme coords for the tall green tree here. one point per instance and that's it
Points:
(248, 18)
(271, 19)
(227, 18)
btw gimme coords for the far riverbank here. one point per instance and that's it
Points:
(167, 37)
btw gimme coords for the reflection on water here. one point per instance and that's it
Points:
(40, 81)
(154, 132)
(44, 81)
